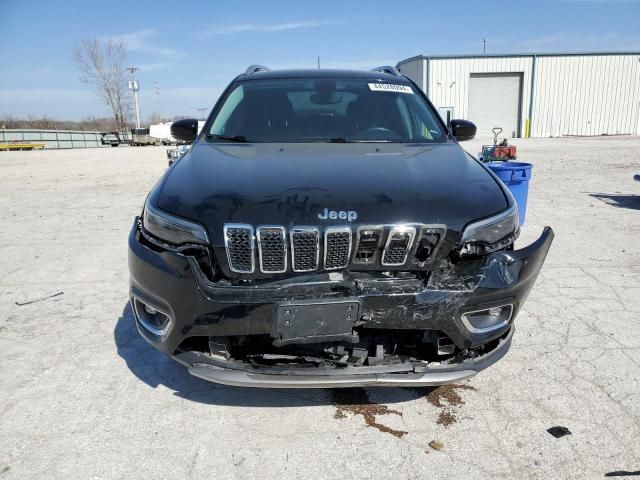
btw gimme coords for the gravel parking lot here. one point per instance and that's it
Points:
(83, 396)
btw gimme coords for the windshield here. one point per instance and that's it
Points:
(325, 110)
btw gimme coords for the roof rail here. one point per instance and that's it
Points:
(387, 69)
(255, 69)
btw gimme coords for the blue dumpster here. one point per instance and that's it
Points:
(516, 176)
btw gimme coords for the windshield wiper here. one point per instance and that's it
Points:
(228, 138)
(348, 140)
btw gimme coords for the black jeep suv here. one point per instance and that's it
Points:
(325, 229)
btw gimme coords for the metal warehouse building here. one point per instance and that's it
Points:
(537, 95)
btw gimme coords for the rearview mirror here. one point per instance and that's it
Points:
(185, 130)
(463, 129)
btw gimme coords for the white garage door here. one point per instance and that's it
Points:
(494, 101)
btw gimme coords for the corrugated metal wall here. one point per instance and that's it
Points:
(53, 138)
(586, 95)
(574, 94)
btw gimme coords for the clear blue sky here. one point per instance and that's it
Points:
(194, 48)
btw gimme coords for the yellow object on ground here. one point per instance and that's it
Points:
(21, 146)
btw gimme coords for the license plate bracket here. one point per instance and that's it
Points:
(313, 321)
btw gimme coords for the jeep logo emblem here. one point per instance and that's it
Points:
(349, 215)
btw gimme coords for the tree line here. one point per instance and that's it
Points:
(106, 124)
(103, 124)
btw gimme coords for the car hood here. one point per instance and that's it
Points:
(291, 184)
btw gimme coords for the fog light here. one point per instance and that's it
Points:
(487, 320)
(152, 319)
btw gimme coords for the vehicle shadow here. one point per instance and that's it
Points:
(619, 200)
(155, 368)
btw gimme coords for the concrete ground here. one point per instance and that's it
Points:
(83, 396)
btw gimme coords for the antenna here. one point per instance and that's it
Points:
(484, 45)
(133, 86)
(318, 62)
(157, 85)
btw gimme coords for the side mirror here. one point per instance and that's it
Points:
(463, 130)
(185, 130)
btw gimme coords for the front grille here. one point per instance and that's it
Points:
(412, 246)
(272, 249)
(337, 247)
(398, 246)
(305, 249)
(238, 240)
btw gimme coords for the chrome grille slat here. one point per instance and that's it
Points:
(239, 243)
(305, 249)
(337, 247)
(399, 243)
(272, 249)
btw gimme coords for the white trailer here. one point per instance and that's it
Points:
(162, 132)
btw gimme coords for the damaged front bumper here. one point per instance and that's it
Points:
(197, 307)
(408, 374)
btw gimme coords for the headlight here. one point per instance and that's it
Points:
(492, 233)
(172, 229)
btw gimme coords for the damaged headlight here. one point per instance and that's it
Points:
(491, 234)
(171, 229)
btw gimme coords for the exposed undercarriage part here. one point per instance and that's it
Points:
(251, 363)
(374, 348)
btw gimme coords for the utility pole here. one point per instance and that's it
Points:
(158, 101)
(133, 85)
(484, 45)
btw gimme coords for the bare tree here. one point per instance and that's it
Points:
(102, 64)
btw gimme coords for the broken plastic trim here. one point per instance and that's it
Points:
(404, 374)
